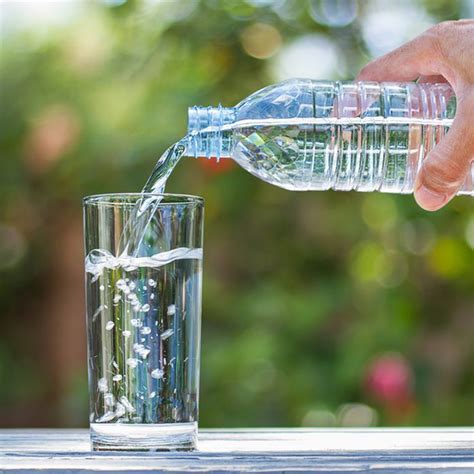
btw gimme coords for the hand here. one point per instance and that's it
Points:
(445, 52)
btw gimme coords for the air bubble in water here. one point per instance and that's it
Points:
(144, 353)
(102, 385)
(171, 310)
(141, 350)
(157, 373)
(152, 283)
(136, 322)
(152, 395)
(107, 416)
(128, 406)
(121, 284)
(109, 326)
(109, 400)
(145, 307)
(145, 330)
(126, 333)
(132, 362)
(166, 334)
(117, 378)
(138, 347)
(120, 410)
(97, 312)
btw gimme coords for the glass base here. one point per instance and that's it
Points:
(143, 437)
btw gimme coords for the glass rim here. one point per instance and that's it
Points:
(130, 198)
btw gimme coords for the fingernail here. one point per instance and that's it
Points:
(428, 199)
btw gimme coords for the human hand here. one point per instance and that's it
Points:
(443, 53)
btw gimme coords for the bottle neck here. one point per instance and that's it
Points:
(206, 136)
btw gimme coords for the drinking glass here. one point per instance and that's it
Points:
(143, 289)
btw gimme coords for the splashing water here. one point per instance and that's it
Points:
(140, 219)
(163, 168)
(99, 260)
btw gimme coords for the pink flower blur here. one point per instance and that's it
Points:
(389, 380)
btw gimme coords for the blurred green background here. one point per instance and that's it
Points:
(320, 309)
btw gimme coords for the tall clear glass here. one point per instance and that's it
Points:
(143, 320)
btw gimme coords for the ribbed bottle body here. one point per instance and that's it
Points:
(312, 135)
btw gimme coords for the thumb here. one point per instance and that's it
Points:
(444, 170)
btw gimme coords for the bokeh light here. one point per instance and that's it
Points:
(418, 236)
(372, 263)
(318, 417)
(88, 47)
(263, 3)
(52, 135)
(169, 12)
(333, 12)
(390, 381)
(449, 258)
(38, 16)
(356, 415)
(388, 24)
(313, 56)
(261, 40)
(289, 10)
(379, 212)
(467, 9)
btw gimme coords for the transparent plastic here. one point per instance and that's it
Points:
(317, 135)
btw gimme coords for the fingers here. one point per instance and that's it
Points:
(428, 57)
(419, 57)
(438, 79)
(447, 165)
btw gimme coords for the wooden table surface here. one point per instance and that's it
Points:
(252, 450)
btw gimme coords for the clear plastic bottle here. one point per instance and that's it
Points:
(313, 135)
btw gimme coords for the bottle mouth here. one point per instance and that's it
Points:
(200, 118)
(205, 134)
